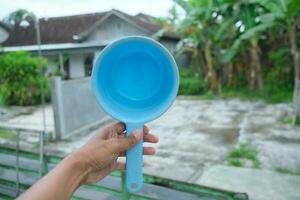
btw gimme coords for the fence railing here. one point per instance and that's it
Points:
(14, 169)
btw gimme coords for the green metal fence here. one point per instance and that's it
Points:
(123, 194)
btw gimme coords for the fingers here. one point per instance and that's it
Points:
(146, 138)
(150, 138)
(121, 144)
(146, 151)
(111, 130)
(119, 127)
(149, 150)
(119, 166)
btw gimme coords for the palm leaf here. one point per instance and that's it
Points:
(184, 5)
(251, 33)
(293, 7)
(224, 28)
(275, 7)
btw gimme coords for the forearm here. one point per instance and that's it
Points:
(60, 183)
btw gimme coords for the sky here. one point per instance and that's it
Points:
(50, 8)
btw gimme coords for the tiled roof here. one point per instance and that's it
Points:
(57, 30)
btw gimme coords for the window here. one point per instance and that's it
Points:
(66, 65)
(88, 65)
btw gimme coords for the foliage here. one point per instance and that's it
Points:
(243, 152)
(235, 162)
(168, 23)
(191, 84)
(17, 16)
(20, 78)
(242, 48)
(198, 29)
(244, 93)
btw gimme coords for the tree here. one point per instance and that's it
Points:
(17, 16)
(250, 27)
(199, 28)
(286, 12)
(167, 24)
(209, 23)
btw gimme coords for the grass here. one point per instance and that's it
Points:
(243, 152)
(275, 90)
(241, 93)
(205, 96)
(287, 171)
(9, 135)
(246, 94)
(266, 95)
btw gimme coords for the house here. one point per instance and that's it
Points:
(4, 31)
(70, 43)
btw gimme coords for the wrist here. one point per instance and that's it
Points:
(78, 167)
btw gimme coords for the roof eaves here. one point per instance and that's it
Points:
(82, 36)
(4, 26)
(46, 47)
(124, 17)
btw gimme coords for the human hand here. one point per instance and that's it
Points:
(99, 155)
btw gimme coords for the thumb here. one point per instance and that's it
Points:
(126, 143)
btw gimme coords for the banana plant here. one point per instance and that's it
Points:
(287, 13)
(17, 16)
(269, 14)
(199, 28)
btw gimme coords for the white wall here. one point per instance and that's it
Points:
(76, 65)
(114, 28)
(52, 64)
(3, 34)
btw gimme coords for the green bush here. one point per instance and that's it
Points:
(191, 83)
(20, 79)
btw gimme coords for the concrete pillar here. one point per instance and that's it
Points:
(61, 64)
(96, 53)
(57, 104)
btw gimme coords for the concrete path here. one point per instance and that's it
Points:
(195, 135)
(27, 117)
(258, 184)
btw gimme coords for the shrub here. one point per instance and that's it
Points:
(20, 78)
(191, 83)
